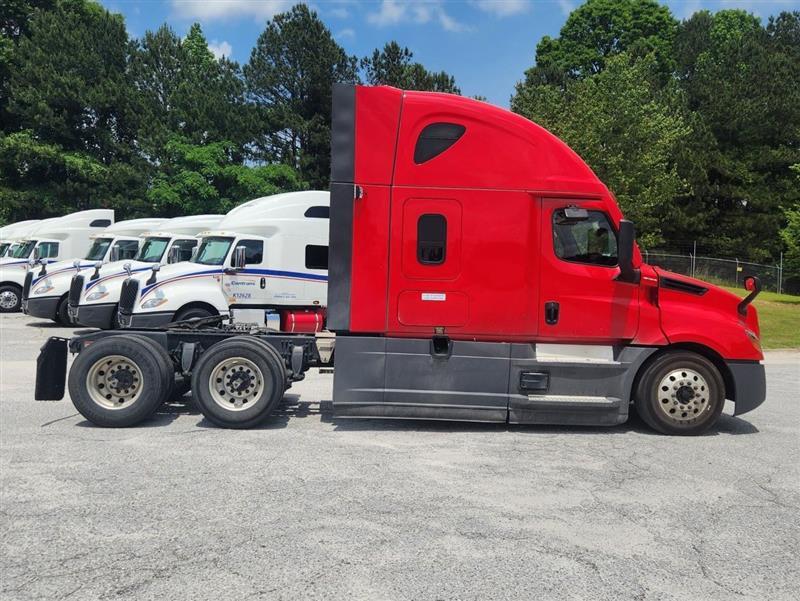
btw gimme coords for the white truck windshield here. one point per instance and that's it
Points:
(213, 251)
(152, 250)
(23, 250)
(98, 249)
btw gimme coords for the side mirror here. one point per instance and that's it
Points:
(152, 279)
(37, 253)
(113, 256)
(627, 236)
(239, 257)
(174, 255)
(753, 285)
(97, 266)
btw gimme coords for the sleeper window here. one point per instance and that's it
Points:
(591, 240)
(316, 256)
(431, 239)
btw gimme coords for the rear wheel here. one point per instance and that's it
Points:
(681, 393)
(10, 298)
(239, 382)
(117, 382)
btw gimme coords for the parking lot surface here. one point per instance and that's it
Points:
(314, 507)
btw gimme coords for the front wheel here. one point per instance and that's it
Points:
(62, 313)
(10, 298)
(239, 382)
(680, 393)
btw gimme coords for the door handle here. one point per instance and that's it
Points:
(551, 313)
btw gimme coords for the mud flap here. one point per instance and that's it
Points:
(51, 370)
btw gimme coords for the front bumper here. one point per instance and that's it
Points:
(102, 316)
(156, 319)
(45, 306)
(749, 385)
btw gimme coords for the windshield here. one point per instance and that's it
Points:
(98, 249)
(213, 251)
(23, 250)
(152, 250)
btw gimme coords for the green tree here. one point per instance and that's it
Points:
(206, 179)
(627, 128)
(395, 66)
(790, 235)
(185, 91)
(289, 77)
(15, 18)
(74, 111)
(742, 82)
(599, 29)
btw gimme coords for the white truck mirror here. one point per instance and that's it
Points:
(113, 256)
(174, 255)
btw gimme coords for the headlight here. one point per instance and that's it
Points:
(98, 293)
(157, 300)
(45, 287)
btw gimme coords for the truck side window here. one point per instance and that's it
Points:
(185, 249)
(316, 256)
(48, 250)
(127, 249)
(591, 240)
(254, 251)
(431, 239)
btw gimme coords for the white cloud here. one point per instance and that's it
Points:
(229, 9)
(392, 12)
(339, 13)
(503, 8)
(345, 34)
(220, 49)
(566, 6)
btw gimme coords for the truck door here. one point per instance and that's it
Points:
(245, 286)
(581, 298)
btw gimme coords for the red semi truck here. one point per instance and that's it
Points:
(478, 270)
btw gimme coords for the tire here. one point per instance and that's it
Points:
(264, 379)
(10, 298)
(192, 313)
(164, 361)
(100, 404)
(62, 313)
(680, 393)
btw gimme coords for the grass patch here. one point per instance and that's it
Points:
(779, 318)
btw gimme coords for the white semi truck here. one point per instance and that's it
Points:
(44, 293)
(53, 239)
(267, 261)
(9, 234)
(93, 298)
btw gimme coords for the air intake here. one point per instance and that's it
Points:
(26, 287)
(75, 289)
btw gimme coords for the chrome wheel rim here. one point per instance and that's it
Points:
(236, 384)
(114, 382)
(683, 395)
(8, 299)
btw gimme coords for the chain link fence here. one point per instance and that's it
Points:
(730, 272)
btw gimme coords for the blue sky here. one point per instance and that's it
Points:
(485, 44)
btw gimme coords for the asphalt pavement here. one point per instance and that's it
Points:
(314, 507)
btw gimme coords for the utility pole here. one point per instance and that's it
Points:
(780, 275)
(694, 256)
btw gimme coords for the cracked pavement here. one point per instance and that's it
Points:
(313, 507)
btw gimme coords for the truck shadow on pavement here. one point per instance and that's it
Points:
(293, 408)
